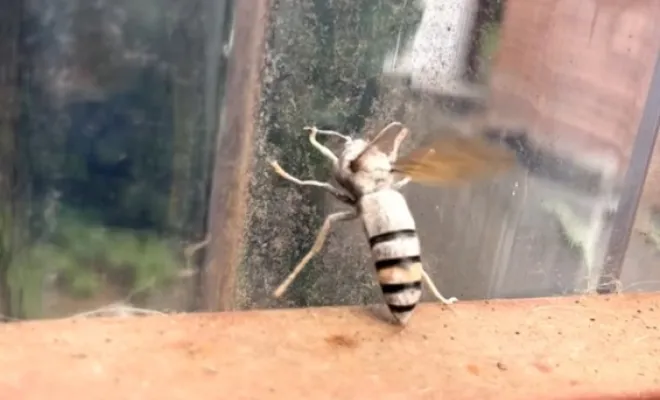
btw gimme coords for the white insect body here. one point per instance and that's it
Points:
(367, 175)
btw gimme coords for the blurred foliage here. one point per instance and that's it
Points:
(111, 130)
(112, 156)
(6, 242)
(81, 255)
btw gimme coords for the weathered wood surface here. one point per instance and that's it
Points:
(234, 155)
(561, 348)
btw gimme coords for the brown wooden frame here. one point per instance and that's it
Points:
(601, 347)
(233, 156)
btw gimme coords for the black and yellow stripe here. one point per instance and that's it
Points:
(392, 235)
(400, 278)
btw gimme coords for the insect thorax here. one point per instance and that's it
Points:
(371, 173)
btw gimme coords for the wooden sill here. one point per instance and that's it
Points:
(553, 348)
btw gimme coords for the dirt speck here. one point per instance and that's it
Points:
(194, 351)
(190, 348)
(342, 341)
(542, 367)
(501, 366)
(473, 369)
(210, 370)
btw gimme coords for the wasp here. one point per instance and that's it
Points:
(370, 175)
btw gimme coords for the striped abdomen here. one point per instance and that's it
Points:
(395, 249)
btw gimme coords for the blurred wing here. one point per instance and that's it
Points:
(387, 138)
(454, 160)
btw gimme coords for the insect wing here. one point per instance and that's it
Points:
(387, 139)
(454, 160)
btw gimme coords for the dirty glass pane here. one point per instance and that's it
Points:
(106, 151)
(136, 137)
(562, 87)
(640, 271)
(354, 67)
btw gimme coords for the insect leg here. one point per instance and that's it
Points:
(435, 290)
(333, 190)
(346, 138)
(324, 150)
(318, 245)
(401, 183)
(400, 137)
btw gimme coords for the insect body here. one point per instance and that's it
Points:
(370, 175)
(395, 249)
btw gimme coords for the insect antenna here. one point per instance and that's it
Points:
(346, 138)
